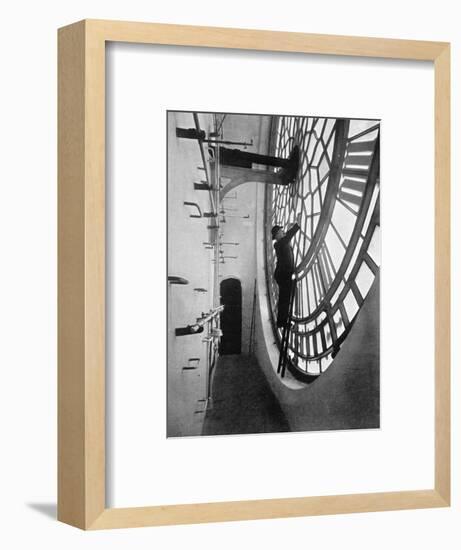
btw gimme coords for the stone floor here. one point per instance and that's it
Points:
(243, 402)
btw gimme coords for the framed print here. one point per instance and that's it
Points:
(254, 274)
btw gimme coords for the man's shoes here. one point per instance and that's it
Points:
(287, 323)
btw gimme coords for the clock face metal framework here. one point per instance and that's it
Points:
(337, 250)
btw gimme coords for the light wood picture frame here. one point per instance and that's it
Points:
(81, 273)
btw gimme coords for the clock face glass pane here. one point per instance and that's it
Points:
(335, 199)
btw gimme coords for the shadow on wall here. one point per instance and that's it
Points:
(48, 509)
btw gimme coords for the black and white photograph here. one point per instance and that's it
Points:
(231, 247)
(273, 270)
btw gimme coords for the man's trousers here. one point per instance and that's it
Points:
(286, 286)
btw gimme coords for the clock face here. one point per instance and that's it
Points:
(336, 251)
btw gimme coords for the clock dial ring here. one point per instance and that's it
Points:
(337, 193)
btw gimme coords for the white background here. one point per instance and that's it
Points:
(28, 295)
(150, 469)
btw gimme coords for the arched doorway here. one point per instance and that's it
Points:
(231, 317)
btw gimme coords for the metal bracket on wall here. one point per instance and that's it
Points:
(193, 364)
(190, 133)
(194, 205)
(202, 186)
(190, 329)
(174, 280)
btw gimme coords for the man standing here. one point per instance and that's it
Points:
(285, 268)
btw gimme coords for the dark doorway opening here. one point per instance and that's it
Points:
(231, 317)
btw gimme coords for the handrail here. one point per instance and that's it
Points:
(200, 323)
(207, 317)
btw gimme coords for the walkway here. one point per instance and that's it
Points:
(243, 402)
